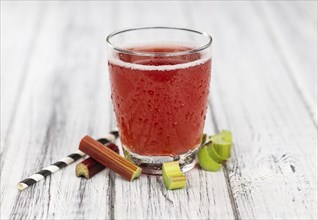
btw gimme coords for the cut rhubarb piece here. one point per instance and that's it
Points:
(90, 167)
(222, 144)
(173, 178)
(214, 154)
(109, 158)
(205, 160)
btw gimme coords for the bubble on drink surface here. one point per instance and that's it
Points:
(138, 66)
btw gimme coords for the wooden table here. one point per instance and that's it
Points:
(55, 90)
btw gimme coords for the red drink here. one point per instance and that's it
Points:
(160, 102)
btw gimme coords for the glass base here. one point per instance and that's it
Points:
(153, 164)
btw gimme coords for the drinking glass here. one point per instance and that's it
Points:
(160, 79)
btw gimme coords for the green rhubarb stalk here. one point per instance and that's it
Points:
(216, 151)
(205, 160)
(222, 144)
(173, 178)
(204, 138)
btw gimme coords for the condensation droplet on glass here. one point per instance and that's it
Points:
(150, 92)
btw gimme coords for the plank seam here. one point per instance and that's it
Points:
(111, 175)
(225, 171)
(112, 195)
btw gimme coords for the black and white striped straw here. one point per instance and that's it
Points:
(111, 137)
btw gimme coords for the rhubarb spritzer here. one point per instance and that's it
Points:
(159, 90)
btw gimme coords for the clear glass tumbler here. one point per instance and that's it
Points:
(160, 79)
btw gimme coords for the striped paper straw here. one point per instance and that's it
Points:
(111, 137)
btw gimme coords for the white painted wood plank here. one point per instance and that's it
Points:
(273, 172)
(206, 195)
(18, 39)
(295, 37)
(66, 96)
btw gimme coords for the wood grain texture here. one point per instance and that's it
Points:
(16, 60)
(273, 172)
(295, 40)
(63, 99)
(55, 90)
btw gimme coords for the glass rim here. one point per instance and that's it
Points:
(164, 54)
